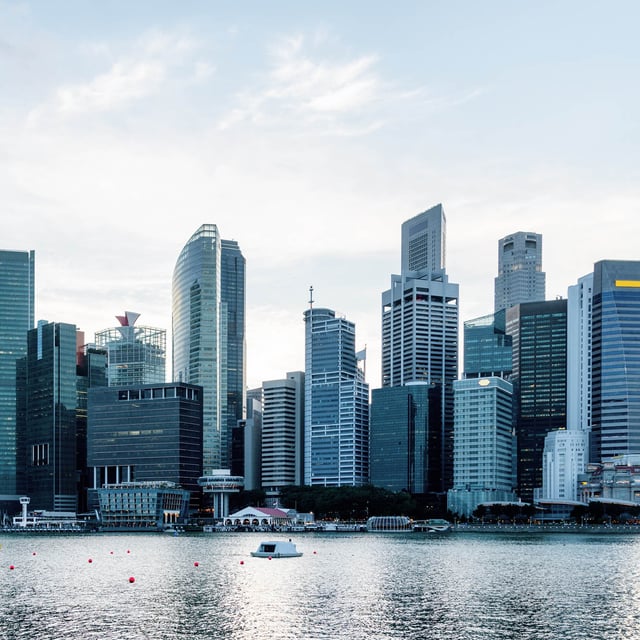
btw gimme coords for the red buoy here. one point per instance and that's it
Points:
(34, 553)
(132, 579)
(128, 551)
(111, 552)
(11, 567)
(89, 560)
(196, 564)
(269, 557)
(241, 561)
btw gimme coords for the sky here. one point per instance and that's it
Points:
(309, 132)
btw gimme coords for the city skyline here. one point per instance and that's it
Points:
(309, 139)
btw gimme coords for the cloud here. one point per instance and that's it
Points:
(115, 89)
(135, 72)
(301, 88)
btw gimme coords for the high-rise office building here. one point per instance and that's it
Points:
(146, 433)
(564, 458)
(615, 394)
(420, 322)
(487, 347)
(520, 276)
(247, 442)
(52, 423)
(16, 318)
(405, 438)
(208, 335)
(336, 442)
(539, 332)
(483, 444)
(232, 298)
(282, 432)
(135, 354)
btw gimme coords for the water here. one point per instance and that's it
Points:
(380, 586)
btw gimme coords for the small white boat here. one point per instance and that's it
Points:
(277, 549)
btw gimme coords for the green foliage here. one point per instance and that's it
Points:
(348, 503)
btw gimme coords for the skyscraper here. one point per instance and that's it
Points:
(539, 332)
(232, 297)
(208, 303)
(420, 322)
(52, 426)
(483, 444)
(336, 443)
(520, 276)
(136, 354)
(16, 318)
(282, 431)
(405, 438)
(487, 347)
(615, 359)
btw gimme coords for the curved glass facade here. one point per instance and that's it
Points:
(196, 335)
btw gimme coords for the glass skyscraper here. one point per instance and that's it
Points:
(520, 276)
(420, 323)
(52, 423)
(615, 359)
(16, 318)
(487, 347)
(539, 332)
(208, 302)
(405, 438)
(336, 444)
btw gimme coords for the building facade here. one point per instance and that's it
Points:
(145, 433)
(282, 432)
(205, 351)
(52, 417)
(488, 349)
(483, 444)
(539, 333)
(135, 354)
(420, 322)
(615, 359)
(405, 438)
(336, 440)
(520, 276)
(564, 458)
(16, 318)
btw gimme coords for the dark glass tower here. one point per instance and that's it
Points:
(146, 433)
(539, 332)
(405, 438)
(54, 377)
(232, 295)
(615, 359)
(16, 318)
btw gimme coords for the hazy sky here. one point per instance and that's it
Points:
(309, 132)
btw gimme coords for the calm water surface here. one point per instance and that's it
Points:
(461, 586)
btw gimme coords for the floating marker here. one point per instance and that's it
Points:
(241, 561)
(11, 567)
(90, 560)
(269, 557)
(128, 551)
(132, 579)
(34, 553)
(111, 552)
(314, 553)
(196, 564)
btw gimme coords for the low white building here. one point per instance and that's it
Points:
(260, 517)
(563, 460)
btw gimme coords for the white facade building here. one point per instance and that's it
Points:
(564, 458)
(282, 431)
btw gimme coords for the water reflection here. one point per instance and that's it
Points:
(355, 586)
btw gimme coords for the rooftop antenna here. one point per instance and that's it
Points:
(311, 297)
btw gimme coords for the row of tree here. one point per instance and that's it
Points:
(348, 503)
